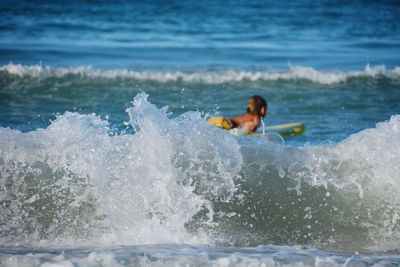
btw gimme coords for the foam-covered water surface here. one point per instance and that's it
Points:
(106, 158)
(172, 255)
(152, 175)
(207, 77)
(180, 180)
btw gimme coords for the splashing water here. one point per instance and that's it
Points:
(74, 180)
(263, 127)
(159, 187)
(183, 181)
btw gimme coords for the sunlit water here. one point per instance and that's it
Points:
(106, 158)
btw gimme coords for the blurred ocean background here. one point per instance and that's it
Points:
(106, 159)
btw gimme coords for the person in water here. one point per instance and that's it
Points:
(246, 123)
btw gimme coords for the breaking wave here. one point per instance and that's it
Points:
(182, 181)
(206, 76)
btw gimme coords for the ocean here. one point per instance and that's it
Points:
(106, 158)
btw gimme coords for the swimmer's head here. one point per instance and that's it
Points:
(257, 105)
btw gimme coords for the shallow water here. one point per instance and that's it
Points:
(172, 254)
(105, 156)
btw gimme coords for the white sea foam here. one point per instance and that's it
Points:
(365, 169)
(206, 76)
(344, 195)
(173, 255)
(73, 181)
(176, 181)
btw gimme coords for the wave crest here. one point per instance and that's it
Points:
(206, 76)
(182, 181)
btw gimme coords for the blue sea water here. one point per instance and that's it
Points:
(106, 159)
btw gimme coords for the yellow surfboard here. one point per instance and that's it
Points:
(292, 128)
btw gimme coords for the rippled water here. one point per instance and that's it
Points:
(105, 156)
(193, 34)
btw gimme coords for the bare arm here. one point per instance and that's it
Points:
(248, 123)
(250, 126)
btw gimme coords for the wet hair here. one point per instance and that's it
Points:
(259, 103)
